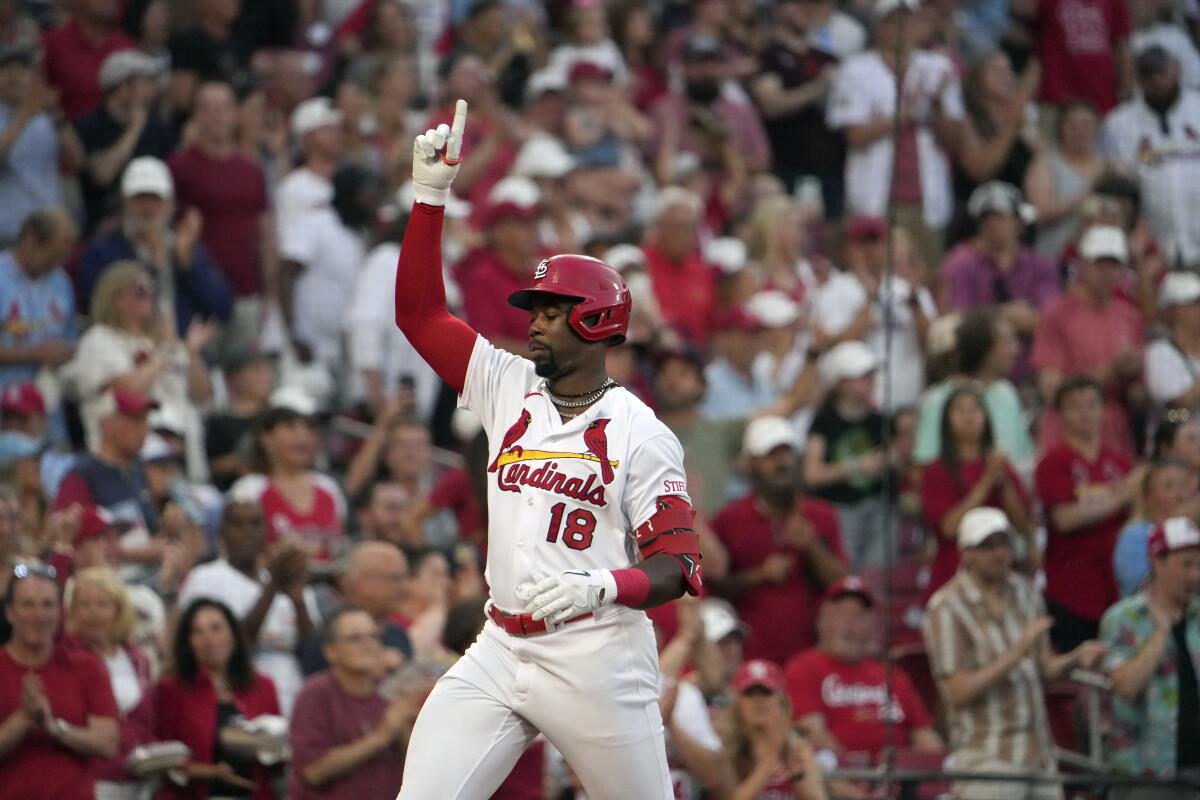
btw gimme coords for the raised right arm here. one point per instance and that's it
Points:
(443, 340)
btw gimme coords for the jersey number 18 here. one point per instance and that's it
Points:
(577, 533)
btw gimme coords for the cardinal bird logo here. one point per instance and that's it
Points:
(512, 436)
(597, 444)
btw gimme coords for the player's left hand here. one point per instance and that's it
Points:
(558, 598)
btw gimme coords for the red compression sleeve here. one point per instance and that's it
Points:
(442, 339)
(633, 586)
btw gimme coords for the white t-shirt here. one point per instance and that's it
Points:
(1168, 168)
(127, 689)
(274, 655)
(375, 341)
(1169, 373)
(331, 255)
(865, 89)
(836, 307)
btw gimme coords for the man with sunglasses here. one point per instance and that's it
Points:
(985, 631)
(56, 704)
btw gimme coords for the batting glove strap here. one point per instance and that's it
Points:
(430, 196)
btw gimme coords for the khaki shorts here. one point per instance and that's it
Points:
(999, 790)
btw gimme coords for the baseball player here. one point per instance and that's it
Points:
(589, 521)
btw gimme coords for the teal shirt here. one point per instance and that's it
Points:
(1009, 426)
(1145, 729)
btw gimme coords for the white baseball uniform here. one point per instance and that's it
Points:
(590, 685)
(1165, 153)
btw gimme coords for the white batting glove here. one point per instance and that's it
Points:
(558, 598)
(436, 158)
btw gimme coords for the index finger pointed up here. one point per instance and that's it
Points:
(454, 145)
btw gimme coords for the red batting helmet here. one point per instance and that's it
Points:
(602, 310)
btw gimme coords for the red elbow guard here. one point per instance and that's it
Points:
(670, 531)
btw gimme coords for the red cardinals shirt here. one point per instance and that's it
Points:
(1079, 571)
(780, 617)
(1077, 41)
(77, 687)
(940, 492)
(853, 699)
(320, 526)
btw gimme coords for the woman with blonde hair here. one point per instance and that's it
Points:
(777, 238)
(770, 757)
(100, 616)
(132, 344)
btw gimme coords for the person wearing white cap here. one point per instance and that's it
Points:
(683, 282)
(122, 128)
(843, 458)
(985, 632)
(1154, 659)
(1092, 329)
(1173, 362)
(784, 548)
(188, 284)
(915, 173)
(545, 160)
(315, 126)
(993, 267)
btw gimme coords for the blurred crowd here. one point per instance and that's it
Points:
(916, 284)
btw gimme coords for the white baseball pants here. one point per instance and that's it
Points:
(590, 687)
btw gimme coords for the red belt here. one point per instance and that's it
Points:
(524, 624)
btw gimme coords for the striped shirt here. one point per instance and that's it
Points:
(1008, 720)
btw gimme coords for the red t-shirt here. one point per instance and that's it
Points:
(77, 687)
(453, 491)
(939, 494)
(321, 525)
(780, 617)
(1077, 42)
(231, 194)
(72, 61)
(1079, 568)
(853, 700)
(686, 292)
(486, 284)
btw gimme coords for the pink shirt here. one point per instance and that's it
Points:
(1073, 337)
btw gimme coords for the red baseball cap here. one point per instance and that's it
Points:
(127, 402)
(865, 228)
(507, 210)
(849, 585)
(758, 672)
(1176, 533)
(97, 521)
(22, 400)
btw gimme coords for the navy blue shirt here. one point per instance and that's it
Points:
(122, 492)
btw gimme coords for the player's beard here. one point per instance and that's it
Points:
(545, 364)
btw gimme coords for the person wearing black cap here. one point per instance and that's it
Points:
(1157, 137)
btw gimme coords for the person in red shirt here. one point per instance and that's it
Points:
(1085, 489)
(230, 192)
(73, 53)
(684, 284)
(840, 695)
(296, 500)
(968, 473)
(213, 682)
(57, 711)
(348, 740)
(498, 269)
(1093, 330)
(771, 760)
(1084, 49)
(784, 549)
